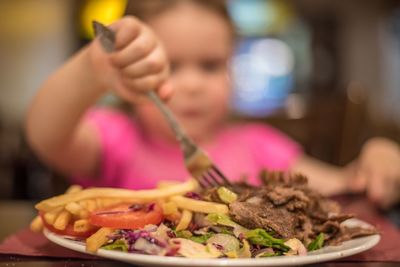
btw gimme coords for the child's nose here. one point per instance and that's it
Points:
(190, 81)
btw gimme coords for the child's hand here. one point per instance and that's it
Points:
(378, 172)
(138, 64)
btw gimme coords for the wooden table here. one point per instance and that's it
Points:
(15, 215)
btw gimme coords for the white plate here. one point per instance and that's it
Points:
(348, 248)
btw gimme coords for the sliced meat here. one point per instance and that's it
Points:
(328, 227)
(304, 231)
(283, 195)
(286, 206)
(347, 233)
(283, 178)
(266, 216)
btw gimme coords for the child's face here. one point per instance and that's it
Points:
(198, 43)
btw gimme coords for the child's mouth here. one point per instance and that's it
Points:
(191, 113)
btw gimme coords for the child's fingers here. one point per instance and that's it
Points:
(134, 97)
(391, 193)
(127, 29)
(136, 50)
(166, 90)
(128, 95)
(375, 187)
(358, 182)
(153, 63)
(383, 189)
(150, 82)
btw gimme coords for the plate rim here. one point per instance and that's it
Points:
(152, 260)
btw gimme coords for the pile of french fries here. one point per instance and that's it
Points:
(75, 206)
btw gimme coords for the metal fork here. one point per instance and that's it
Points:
(197, 162)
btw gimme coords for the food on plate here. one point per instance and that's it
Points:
(283, 217)
(91, 194)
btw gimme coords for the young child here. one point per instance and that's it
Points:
(180, 49)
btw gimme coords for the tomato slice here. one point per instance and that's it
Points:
(69, 229)
(123, 216)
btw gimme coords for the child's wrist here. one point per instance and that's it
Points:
(349, 176)
(339, 185)
(95, 66)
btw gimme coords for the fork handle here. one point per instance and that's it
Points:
(169, 116)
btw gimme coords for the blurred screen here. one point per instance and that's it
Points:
(265, 66)
(262, 71)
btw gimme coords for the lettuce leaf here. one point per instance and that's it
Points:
(120, 244)
(202, 239)
(259, 236)
(190, 249)
(317, 243)
(271, 254)
(222, 219)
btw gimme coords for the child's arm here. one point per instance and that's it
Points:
(54, 127)
(376, 172)
(324, 178)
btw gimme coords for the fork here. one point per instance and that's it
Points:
(197, 162)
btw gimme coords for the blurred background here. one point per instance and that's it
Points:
(325, 72)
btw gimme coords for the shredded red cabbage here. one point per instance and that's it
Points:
(132, 236)
(218, 246)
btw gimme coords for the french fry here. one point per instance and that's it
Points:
(62, 220)
(95, 241)
(74, 208)
(84, 213)
(82, 203)
(174, 217)
(51, 216)
(36, 224)
(125, 194)
(107, 202)
(199, 205)
(91, 205)
(99, 203)
(185, 220)
(73, 189)
(82, 225)
(164, 184)
(169, 207)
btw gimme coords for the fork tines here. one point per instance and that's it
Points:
(213, 177)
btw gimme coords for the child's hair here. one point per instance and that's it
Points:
(145, 9)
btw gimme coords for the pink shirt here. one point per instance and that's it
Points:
(130, 160)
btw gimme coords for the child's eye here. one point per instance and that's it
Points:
(174, 66)
(212, 65)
